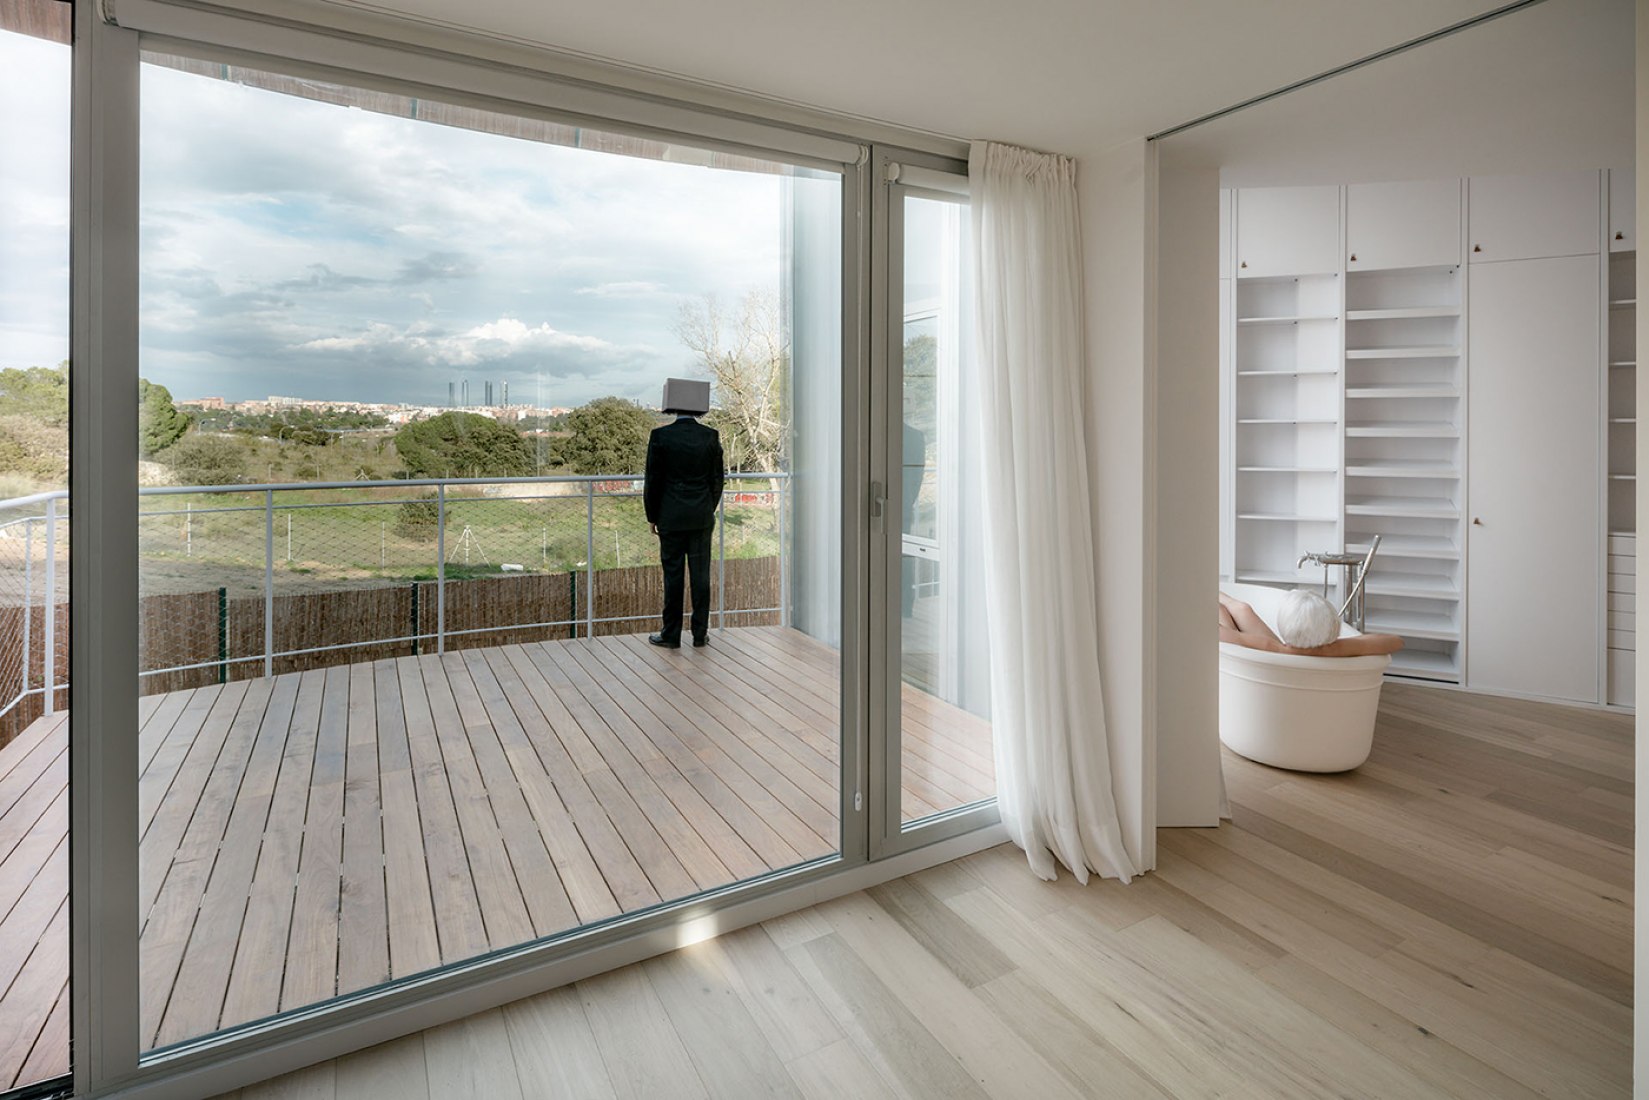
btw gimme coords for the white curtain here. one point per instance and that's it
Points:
(1053, 769)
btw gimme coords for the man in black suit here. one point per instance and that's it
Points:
(681, 494)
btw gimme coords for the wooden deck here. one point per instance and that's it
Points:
(320, 832)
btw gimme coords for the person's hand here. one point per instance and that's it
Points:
(654, 526)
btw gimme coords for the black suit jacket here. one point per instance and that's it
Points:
(684, 476)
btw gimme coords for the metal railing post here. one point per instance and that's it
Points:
(440, 569)
(269, 582)
(589, 559)
(50, 639)
(784, 561)
(28, 605)
(721, 562)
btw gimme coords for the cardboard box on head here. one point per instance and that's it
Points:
(684, 395)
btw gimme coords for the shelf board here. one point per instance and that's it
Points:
(1623, 420)
(1395, 390)
(1401, 312)
(1412, 585)
(1430, 547)
(1434, 351)
(1284, 517)
(1621, 364)
(1413, 624)
(1414, 507)
(1263, 576)
(1624, 532)
(1287, 320)
(1623, 477)
(1622, 303)
(1288, 469)
(1403, 468)
(1414, 430)
(1425, 664)
(1289, 420)
(1285, 373)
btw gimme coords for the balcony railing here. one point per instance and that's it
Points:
(231, 574)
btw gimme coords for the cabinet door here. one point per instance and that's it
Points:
(1533, 559)
(1527, 217)
(1402, 225)
(1225, 232)
(1287, 231)
(1623, 210)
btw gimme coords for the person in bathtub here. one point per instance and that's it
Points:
(1306, 626)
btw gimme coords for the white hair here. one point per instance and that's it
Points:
(1305, 620)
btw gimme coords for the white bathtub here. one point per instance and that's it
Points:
(1309, 714)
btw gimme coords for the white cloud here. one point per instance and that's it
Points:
(633, 289)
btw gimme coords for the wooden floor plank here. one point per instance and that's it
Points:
(687, 738)
(171, 924)
(503, 909)
(460, 931)
(548, 905)
(414, 945)
(363, 919)
(311, 973)
(696, 791)
(204, 971)
(549, 727)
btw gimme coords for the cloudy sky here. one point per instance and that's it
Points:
(305, 249)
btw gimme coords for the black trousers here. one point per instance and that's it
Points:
(694, 546)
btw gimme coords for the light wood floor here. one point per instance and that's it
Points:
(1454, 919)
(317, 833)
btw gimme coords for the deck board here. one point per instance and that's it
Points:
(318, 832)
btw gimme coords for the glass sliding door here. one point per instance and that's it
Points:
(402, 362)
(35, 76)
(938, 752)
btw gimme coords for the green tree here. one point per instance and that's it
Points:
(746, 354)
(608, 436)
(460, 444)
(160, 424)
(39, 393)
(206, 460)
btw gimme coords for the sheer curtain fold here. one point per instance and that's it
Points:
(1053, 767)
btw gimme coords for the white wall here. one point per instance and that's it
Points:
(1116, 191)
(1187, 488)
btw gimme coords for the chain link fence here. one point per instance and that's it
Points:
(238, 582)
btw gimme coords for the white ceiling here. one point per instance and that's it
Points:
(1069, 75)
(1547, 88)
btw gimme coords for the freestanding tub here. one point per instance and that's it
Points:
(1309, 714)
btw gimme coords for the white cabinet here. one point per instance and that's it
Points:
(1528, 217)
(1288, 231)
(1533, 563)
(1225, 232)
(1623, 210)
(1391, 225)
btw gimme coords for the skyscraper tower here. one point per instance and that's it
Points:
(452, 395)
(466, 393)
(488, 402)
(506, 393)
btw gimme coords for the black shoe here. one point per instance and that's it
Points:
(663, 642)
(700, 641)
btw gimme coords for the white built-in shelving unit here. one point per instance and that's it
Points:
(1411, 360)
(1403, 460)
(1287, 425)
(1622, 437)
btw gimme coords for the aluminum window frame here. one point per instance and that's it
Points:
(899, 173)
(110, 38)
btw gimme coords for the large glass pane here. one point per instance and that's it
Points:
(403, 361)
(945, 736)
(34, 540)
